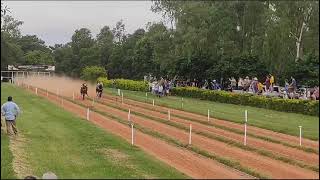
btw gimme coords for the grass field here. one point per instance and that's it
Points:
(283, 122)
(55, 140)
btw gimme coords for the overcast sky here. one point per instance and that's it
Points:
(55, 21)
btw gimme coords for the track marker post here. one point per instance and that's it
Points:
(190, 129)
(300, 127)
(73, 96)
(245, 127)
(169, 116)
(36, 91)
(131, 133)
(122, 97)
(146, 96)
(62, 102)
(152, 102)
(181, 103)
(118, 92)
(208, 115)
(129, 115)
(88, 113)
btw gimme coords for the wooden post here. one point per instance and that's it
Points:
(300, 135)
(190, 134)
(169, 115)
(88, 111)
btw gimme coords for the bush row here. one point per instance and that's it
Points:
(125, 84)
(287, 105)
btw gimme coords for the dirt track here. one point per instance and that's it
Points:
(252, 142)
(185, 161)
(262, 132)
(263, 164)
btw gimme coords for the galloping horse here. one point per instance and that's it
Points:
(84, 90)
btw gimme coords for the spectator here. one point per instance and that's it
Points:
(10, 111)
(260, 88)
(286, 87)
(246, 84)
(267, 83)
(315, 94)
(293, 84)
(215, 85)
(233, 83)
(240, 84)
(271, 82)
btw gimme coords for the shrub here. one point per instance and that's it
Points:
(125, 84)
(287, 105)
(91, 73)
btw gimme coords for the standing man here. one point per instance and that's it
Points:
(10, 111)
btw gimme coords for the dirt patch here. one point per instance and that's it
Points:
(20, 161)
(115, 155)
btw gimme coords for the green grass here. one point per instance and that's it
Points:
(6, 159)
(287, 123)
(72, 147)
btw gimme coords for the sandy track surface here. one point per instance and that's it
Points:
(183, 160)
(252, 142)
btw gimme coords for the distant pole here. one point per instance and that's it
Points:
(62, 102)
(73, 96)
(129, 115)
(245, 127)
(88, 111)
(300, 127)
(131, 133)
(208, 115)
(36, 91)
(146, 96)
(169, 115)
(122, 97)
(152, 102)
(181, 103)
(190, 134)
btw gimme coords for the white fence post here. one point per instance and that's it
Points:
(300, 135)
(122, 97)
(129, 115)
(131, 133)
(190, 134)
(169, 117)
(245, 127)
(88, 111)
(118, 92)
(208, 115)
(36, 91)
(181, 102)
(152, 102)
(73, 96)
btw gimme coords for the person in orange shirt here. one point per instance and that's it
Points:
(271, 82)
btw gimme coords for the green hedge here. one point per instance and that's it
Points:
(287, 105)
(125, 84)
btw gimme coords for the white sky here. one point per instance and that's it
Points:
(55, 21)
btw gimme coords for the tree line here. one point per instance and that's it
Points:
(205, 40)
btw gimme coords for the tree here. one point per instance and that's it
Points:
(92, 73)
(105, 44)
(82, 38)
(119, 31)
(38, 58)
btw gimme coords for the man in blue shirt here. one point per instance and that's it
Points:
(10, 111)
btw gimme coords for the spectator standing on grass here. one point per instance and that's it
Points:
(286, 87)
(267, 83)
(271, 82)
(240, 84)
(10, 111)
(293, 84)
